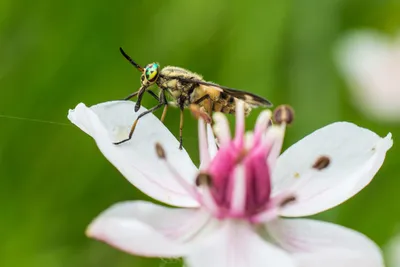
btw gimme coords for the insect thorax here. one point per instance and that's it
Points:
(179, 90)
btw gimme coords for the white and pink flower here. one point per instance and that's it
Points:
(392, 250)
(234, 209)
(370, 63)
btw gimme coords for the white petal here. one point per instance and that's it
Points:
(145, 229)
(355, 154)
(315, 243)
(235, 244)
(137, 159)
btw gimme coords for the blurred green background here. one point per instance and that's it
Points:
(55, 54)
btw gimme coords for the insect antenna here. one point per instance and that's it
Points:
(131, 60)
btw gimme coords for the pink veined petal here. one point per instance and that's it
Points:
(315, 243)
(235, 244)
(137, 159)
(355, 155)
(143, 228)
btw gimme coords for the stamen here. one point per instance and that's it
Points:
(238, 197)
(283, 114)
(204, 183)
(203, 146)
(181, 181)
(203, 179)
(239, 130)
(267, 215)
(262, 123)
(275, 136)
(272, 210)
(221, 128)
(213, 144)
(241, 155)
(321, 163)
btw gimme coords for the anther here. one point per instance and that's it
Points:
(160, 151)
(240, 157)
(203, 179)
(283, 114)
(321, 163)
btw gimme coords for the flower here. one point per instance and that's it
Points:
(392, 250)
(370, 63)
(231, 211)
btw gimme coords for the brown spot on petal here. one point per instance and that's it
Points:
(160, 151)
(283, 114)
(321, 163)
(287, 200)
(296, 175)
(203, 179)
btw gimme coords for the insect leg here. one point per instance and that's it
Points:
(201, 99)
(139, 99)
(208, 107)
(159, 105)
(165, 107)
(135, 94)
(153, 95)
(181, 128)
(131, 95)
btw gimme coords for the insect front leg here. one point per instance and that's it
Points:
(159, 105)
(139, 93)
(181, 127)
(140, 96)
(136, 93)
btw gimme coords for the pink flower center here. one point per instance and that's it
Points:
(240, 180)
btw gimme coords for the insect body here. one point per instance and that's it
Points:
(187, 88)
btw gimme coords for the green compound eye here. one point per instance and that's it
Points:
(151, 72)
